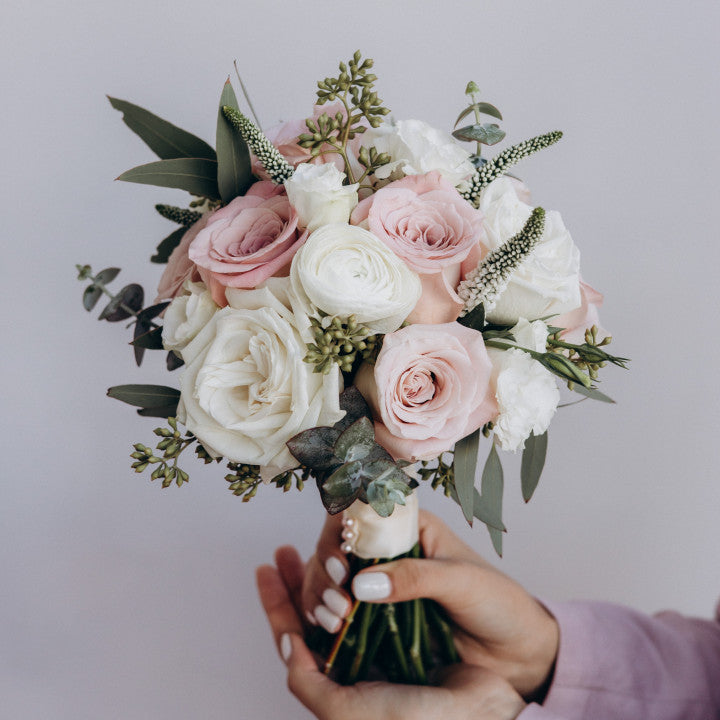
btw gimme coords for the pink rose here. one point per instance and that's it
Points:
(247, 241)
(180, 267)
(577, 321)
(424, 220)
(429, 389)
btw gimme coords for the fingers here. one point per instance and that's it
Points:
(439, 541)
(328, 550)
(277, 603)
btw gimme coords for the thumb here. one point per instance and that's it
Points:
(455, 584)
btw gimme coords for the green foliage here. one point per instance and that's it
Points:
(171, 445)
(166, 246)
(491, 494)
(483, 133)
(163, 138)
(234, 174)
(464, 465)
(533, 461)
(348, 464)
(479, 133)
(353, 87)
(196, 175)
(181, 216)
(147, 397)
(245, 479)
(339, 341)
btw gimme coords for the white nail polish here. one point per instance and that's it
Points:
(310, 617)
(285, 647)
(371, 586)
(328, 620)
(335, 569)
(336, 602)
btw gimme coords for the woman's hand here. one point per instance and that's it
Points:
(467, 692)
(498, 625)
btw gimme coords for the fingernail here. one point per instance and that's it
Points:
(285, 647)
(336, 602)
(328, 620)
(371, 586)
(310, 617)
(335, 569)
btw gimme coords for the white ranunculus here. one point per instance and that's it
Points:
(345, 270)
(318, 195)
(417, 148)
(245, 390)
(548, 281)
(186, 315)
(526, 392)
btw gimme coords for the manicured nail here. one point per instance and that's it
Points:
(310, 617)
(371, 586)
(285, 647)
(336, 602)
(335, 569)
(328, 620)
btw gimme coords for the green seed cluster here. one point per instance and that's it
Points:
(587, 357)
(489, 279)
(501, 163)
(276, 166)
(181, 216)
(244, 480)
(441, 474)
(338, 341)
(171, 445)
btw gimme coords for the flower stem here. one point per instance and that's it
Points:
(397, 641)
(445, 632)
(416, 646)
(367, 616)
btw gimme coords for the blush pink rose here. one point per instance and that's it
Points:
(577, 321)
(430, 388)
(424, 220)
(179, 266)
(249, 240)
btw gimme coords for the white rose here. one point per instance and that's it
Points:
(245, 390)
(417, 148)
(345, 270)
(548, 281)
(186, 316)
(318, 195)
(526, 392)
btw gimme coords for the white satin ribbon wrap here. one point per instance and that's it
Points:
(378, 537)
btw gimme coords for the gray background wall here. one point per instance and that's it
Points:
(121, 601)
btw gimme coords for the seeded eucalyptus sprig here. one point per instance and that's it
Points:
(171, 446)
(354, 88)
(439, 473)
(245, 479)
(338, 341)
(501, 163)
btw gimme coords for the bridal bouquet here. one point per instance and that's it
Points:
(366, 303)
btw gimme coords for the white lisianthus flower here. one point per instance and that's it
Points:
(345, 270)
(319, 197)
(186, 315)
(245, 390)
(526, 392)
(548, 281)
(417, 148)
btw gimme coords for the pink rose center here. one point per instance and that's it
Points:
(249, 232)
(416, 388)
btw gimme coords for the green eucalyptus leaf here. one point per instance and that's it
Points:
(165, 411)
(152, 311)
(234, 175)
(388, 488)
(491, 495)
(91, 296)
(149, 340)
(357, 441)
(173, 361)
(165, 248)
(593, 394)
(483, 107)
(465, 463)
(107, 275)
(163, 138)
(196, 175)
(475, 319)
(344, 481)
(131, 296)
(481, 510)
(355, 407)
(314, 448)
(145, 396)
(533, 461)
(487, 133)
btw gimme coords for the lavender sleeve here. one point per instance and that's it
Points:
(616, 663)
